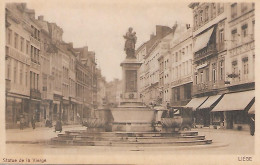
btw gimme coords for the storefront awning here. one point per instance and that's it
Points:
(234, 101)
(196, 102)
(252, 109)
(202, 40)
(210, 101)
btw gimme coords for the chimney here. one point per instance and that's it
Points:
(71, 44)
(152, 36)
(41, 18)
(162, 31)
(24, 5)
(187, 26)
(174, 27)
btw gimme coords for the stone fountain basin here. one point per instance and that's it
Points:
(133, 115)
(132, 119)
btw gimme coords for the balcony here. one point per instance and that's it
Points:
(7, 85)
(208, 86)
(206, 52)
(46, 95)
(35, 94)
(35, 42)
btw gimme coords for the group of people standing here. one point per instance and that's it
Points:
(23, 123)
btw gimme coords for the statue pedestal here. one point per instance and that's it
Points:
(131, 115)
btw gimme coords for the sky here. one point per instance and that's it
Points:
(101, 24)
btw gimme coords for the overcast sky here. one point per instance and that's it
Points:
(100, 25)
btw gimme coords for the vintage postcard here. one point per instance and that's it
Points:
(129, 82)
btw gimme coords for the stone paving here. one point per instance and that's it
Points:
(224, 142)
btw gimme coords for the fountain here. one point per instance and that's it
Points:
(131, 122)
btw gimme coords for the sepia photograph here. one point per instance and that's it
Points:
(128, 82)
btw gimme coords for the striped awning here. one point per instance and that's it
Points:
(235, 101)
(210, 101)
(203, 40)
(196, 102)
(251, 111)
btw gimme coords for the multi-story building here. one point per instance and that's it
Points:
(86, 80)
(140, 54)
(149, 53)
(113, 92)
(209, 34)
(239, 66)
(56, 69)
(47, 78)
(181, 68)
(72, 84)
(101, 89)
(218, 61)
(18, 63)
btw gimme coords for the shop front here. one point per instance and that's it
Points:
(72, 111)
(15, 107)
(35, 111)
(65, 111)
(194, 104)
(56, 108)
(203, 111)
(234, 107)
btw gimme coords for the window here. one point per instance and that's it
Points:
(234, 37)
(15, 70)
(9, 36)
(32, 52)
(220, 8)
(177, 72)
(221, 39)
(37, 81)
(213, 12)
(201, 77)
(196, 20)
(21, 73)
(26, 77)
(8, 76)
(201, 17)
(176, 57)
(245, 67)
(214, 73)
(16, 40)
(207, 13)
(221, 36)
(234, 70)
(233, 10)
(27, 47)
(196, 79)
(243, 7)
(207, 74)
(180, 55)
(221, 70)
(253, 29)
(244, 31)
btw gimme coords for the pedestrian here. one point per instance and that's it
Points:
(33, 122)
(58, 126)
(252, 125)
(21, 121)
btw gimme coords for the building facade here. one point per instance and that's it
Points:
(18, 63)
(181, 69)
(46, 78)
(148, 74)
(222, 69)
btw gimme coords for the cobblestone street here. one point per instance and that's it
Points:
(224, 142)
